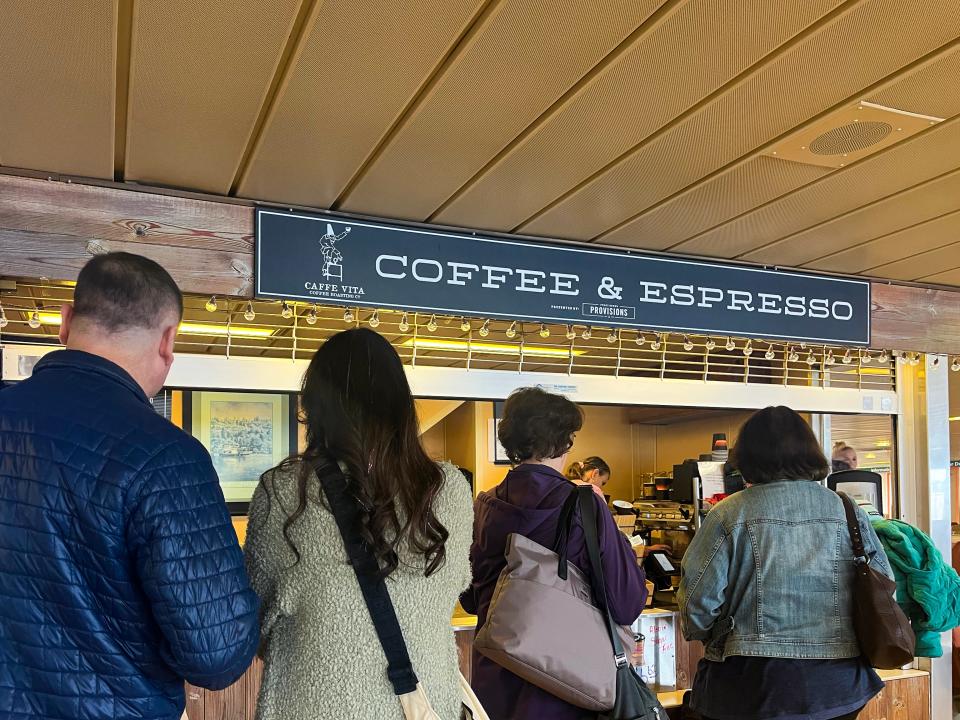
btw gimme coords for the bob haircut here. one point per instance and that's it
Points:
(538, 425)
(776, 444)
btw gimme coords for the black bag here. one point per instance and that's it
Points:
(882, 628)
(634, 701)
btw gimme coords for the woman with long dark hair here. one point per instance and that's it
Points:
(321, 653)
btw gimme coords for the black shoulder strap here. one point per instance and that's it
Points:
(372, 585)
(588, 514)
(853, 525)
(563, 533)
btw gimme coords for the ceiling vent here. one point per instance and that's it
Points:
(850, 134)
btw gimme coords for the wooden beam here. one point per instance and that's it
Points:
(50, 228)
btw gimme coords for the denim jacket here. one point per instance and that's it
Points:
(770, 574)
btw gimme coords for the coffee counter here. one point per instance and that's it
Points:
(905, 697)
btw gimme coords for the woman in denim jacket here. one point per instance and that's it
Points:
(767, 587)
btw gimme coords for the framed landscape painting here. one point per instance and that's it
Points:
(245, 434)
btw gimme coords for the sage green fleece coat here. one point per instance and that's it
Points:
(322, 659)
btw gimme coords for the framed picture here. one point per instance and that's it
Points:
(498, 456)
(246, 435)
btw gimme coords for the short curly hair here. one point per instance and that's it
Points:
(538, 425)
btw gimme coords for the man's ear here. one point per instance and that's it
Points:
(167, 340)
(66, 322)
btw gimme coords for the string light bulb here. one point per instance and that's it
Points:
(830, 359)
(34, 320)
(211, 305)
(711, 344)
(286, 311)
(915, 359)
(348, 316)
(811, 360)
(955, 365)
(641, 340)
(375, 319)
(657, 342)
(464, 325)
(884, 357)
(587, 333)
(432, 324)
(311, 316)
(512, 330)
(3, 318)
(731, 345)
(544, 331)
(571, 333)
(484, 329)
(249, 315)
(404, 325)
(748, 349)
(847, 357)
(612, 337)
(687, 343)
(866, 358)
(793, 356)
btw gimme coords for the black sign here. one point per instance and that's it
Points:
(374, 264)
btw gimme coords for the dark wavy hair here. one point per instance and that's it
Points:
(538, 425)
(358, 409)
(777, 444)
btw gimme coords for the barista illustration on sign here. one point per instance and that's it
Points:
(332, 258)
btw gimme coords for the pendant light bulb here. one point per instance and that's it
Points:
(375, 319)
(731, 345)
(955, 365)
(883, 358)
(847, 357)
(571, 333)
(711, 344)
(915, 360)
(464, 325)
(687, 343)
(544, 331)
(404, 323)
(512, 330)
(311, 317)
(811, 360)
(249, 315)
(657, 343)
(830, 359)
(641, 340)
(485, 328)
(866, 358)
(286, 311)
(794, 356)
(748, 349)
(770, 354)
(34, 321)
(211, 305)
(612, 337)
(587, 333)
(348, 316)
(3, 318)
(432, 325)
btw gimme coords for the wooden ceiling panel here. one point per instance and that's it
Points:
(922, 265)
(929, 235)
(706, 205)
(57, 79)
(945, 277)
(349, 83)
(915, 161)
(835, 64)
(902, 210)
(642, 89)
(515, 67)
(197, 86)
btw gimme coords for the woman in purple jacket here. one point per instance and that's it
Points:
(537, 431)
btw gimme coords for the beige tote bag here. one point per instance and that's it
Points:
(546, 629)
(416, 705)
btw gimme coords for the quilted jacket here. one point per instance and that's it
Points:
(120, 572)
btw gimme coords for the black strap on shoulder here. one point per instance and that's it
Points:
(563, 533)
(853, 525)
(372, 585)
(588, 514)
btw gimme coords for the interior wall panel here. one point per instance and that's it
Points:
(515, 68)
(199, 75)
(926, 236)
(642, 90)
(843, 58)
(910, 163)
(706, 205)
(57, 78)
(357, 70)
(913, 206)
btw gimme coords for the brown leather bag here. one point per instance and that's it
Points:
(883, 630)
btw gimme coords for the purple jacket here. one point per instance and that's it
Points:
(528, 502)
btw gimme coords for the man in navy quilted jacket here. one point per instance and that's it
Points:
(120, 573)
